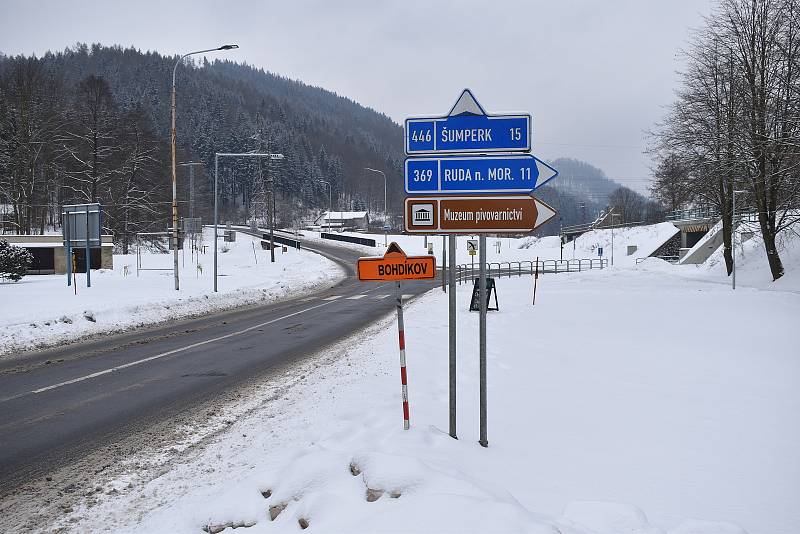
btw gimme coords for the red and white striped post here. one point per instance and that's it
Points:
(402, 339)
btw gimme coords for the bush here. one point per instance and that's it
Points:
(14, 261)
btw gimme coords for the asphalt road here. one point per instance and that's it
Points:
(57, 405)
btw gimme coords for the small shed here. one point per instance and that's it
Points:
(50, 255)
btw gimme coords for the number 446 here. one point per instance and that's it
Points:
(421, 136)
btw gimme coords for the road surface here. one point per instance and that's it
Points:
(58, 405)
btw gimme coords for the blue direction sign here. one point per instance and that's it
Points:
(476, 174)
(468, 129)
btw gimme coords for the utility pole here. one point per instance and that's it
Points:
(272, 219)
(330, 202)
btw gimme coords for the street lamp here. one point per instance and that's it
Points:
(216, 175)
(613, 215)
(330, 202)
(385, 208)
(174, 170)
(733, 239)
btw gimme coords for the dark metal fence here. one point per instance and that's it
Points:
(282, 240)
(508, 269)
(349, 239)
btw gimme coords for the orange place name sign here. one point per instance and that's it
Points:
(395, 265)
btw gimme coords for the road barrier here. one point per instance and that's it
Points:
(518, 268)
(282, 240)
(349, 239)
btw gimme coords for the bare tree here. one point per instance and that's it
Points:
(765, 45)
(90, 145)
(627, 203)
(672, 184)
(29, 121)
(735, 121)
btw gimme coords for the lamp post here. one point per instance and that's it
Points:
(613, 216)
(330, 202)
(174, 169)
(733, 239)
(385, 208)
(216, 174)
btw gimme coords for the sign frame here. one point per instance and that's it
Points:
(74, 232)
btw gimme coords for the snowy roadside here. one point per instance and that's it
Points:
(42, 311)
(646, 239)
(592, 398)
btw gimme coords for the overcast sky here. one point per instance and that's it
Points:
(593, 74)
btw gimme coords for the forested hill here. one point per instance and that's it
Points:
(222, 107)
(92, 123)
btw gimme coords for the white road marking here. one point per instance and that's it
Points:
(333, 297)
(168, 353)
(356, 297)
(406, 297)
(382, 296)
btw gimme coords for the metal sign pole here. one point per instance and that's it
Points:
(402, 340)
(216, 217)
(482, 338)
(444, 264)
(88, 253)
(452, 336)
(67, 230)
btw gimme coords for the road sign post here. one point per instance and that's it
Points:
(472, 249)
(460, 187)
(452, 335)
(482, 340)
(403, 374)
(444, 264)
(395, 266)
(81, 227)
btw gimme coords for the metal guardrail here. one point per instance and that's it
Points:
(281, 240)
(349, 239)
(468, 271)
(690, 214)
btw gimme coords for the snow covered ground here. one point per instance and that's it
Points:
(646, 238)
(640, 399)
(45, 311)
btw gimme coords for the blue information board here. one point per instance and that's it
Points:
(476, 174)
(468, 133)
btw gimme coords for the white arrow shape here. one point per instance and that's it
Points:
(543, 212)
(545, 172)
(466, 103)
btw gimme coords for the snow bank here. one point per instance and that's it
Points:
(752, 270)
(43, 311)
(646, 238)
(620, 386)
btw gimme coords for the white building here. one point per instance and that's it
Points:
(343, 220)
